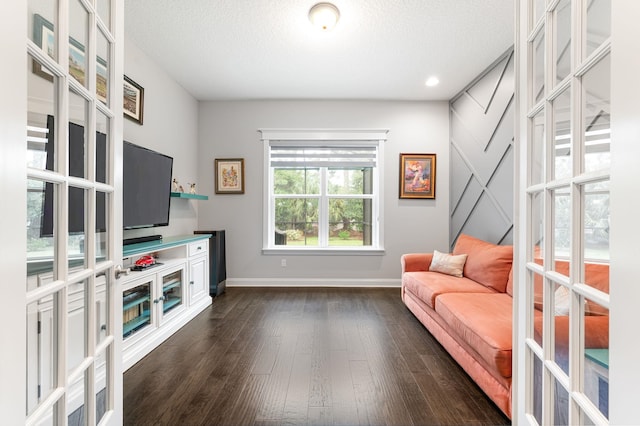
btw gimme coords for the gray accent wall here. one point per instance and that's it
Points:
(482, 161)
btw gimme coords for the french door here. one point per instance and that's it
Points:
(64, 304)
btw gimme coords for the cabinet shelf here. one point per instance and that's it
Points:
(131, 326)
(188, 195)
(170, 285)
(169, 304)
(135, 302)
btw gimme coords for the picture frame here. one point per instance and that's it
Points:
(418, 176)
(229, 175)
(133, 98)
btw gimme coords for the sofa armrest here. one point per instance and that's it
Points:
(413, 262)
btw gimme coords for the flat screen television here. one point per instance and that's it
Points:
(146, 186)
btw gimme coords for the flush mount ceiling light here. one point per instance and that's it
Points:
(432, 81)
(324, 16)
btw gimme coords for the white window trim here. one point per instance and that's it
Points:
(377, 136)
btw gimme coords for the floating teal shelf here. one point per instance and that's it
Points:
(187, 195)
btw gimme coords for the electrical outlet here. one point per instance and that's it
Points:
(283, 263)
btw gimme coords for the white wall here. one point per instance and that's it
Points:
(229, 130)
(170, 126)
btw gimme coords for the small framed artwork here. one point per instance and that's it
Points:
(229, 174)
(133, 100)
(418, 176)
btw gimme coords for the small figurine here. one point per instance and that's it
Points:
(180, 188)
(192, 188)
(175, 185)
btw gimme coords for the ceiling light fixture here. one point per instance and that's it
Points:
(432, 81)
(324, 16)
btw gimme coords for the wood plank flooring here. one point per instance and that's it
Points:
(318, 356)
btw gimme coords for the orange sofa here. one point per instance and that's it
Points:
(471, 316)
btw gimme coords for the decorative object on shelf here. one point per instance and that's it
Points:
(192, 188)
(44, 37)
(176, 185)
(229, 175)
(418, 176)
(133, 100)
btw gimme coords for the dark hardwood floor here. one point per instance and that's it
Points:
(319, 356)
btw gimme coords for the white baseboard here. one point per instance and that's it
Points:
(313, 282)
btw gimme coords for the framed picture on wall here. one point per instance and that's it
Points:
(229, 175)
(133, 100)
(418, 176)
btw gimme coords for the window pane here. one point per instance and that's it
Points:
(349, 221)
(538, 67)
(561, 404)
(561, 303)
(596, 357)
(78, 36)
(598, 23)
(77, 321)
(40, 231)
(596, 221)
(538, 307)
(597, 122)
(77, 238)
(296, 181)
(42, 349)
(298, 219)
(41, 94)
(104, 12)
(537, 227)
(537, 149)
(102, 68)
(101, 226)
(536, 387)
(561, 225)
(102, 146)
(538, 10)
(102, 367)
(562, 122)
(76, 404)
(562, 28)
(102, 308)
(77, 135)
(41, 19)
(350, 181)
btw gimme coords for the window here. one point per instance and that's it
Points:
(322, 191)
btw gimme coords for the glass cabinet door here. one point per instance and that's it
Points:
(172, 291)
(136, 309)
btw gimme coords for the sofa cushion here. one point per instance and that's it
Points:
(509, 289)
(489, 264)
(484, 322)
(447, 263)
(426, 286)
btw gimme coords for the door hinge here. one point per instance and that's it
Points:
(39, 327)
(38, 391)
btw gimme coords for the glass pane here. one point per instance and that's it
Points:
(297, 218)
(41, 19)
(596, 357)
(78, 36)
(102, 308)
(561, 303)
(41, 94)
(563, 167)
(101, 371)
(350, 181)
(537, 227)
(597, 120)
(537, 388)
(349, 222)
(562, 28)
(77, 237)
(538, 10)
(102, 145)
(172, 290)
(598, 23)
(562, 229)
(538, 307)
(76, 325)
(537, 67)
(40, 232)
(101, 227)
(537, 162)
(42, 349)
(76, 401)
(561, 404)
(78, 115)
(296, 181)
(596, 221)
(136, 309)
(585, 420)
(104, 12)
(102, 68)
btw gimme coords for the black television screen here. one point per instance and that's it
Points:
(146, 187)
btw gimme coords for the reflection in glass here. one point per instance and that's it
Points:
(42, 349)
(78, 116)
(596, 356)
(42, 19)
(102, 68)
(101, 371)
(562, 123)
(536, 383)
(40, 233)
(596, 221)
(102, 146)
(561, 404)
(537, 227)
(538, 67)
(76, 406)
(78, 37)
(597, 119)
(296, 181)
(562, 29)
(598, 23)
(349, 222)
(77, 221)
(538, 10)
(297, 221)
(76, 324)
(102, 307)
(538, 307)
(561, 303)
(561, 227)
(537, 149)
(41, 93)
(104, 12)
(101, 226)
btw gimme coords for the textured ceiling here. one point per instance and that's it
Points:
(267, 49)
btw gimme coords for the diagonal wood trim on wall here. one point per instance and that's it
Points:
(482, 135)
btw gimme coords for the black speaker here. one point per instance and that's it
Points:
(217, 262)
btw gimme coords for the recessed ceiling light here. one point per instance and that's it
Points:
(324, 16)
(432, 81)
